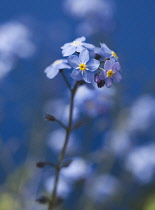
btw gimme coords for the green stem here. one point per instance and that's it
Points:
(62, 154)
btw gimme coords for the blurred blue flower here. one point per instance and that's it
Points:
(141, 162)
(83, 66)
(64, 188)
(60, 109)
(103, 187)
(52, 70)
(78, 169)
(96, 15)
(56, 140)
(142, 114)
(105, 53)
(110, 73)
(84, 100)
(15, 42)
(76, 46)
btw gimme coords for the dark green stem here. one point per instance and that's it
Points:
(62, 154)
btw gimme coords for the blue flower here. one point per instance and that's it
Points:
(76, 46)
(105, 53)
(52, 70)
(83, 66)
(110, 73)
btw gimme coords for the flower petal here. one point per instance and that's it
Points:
(51, 71)
(79, 48)
(108, 82)
(68, 50)
(73, 61)
(93, 64)
(108, 65)
(81, 39)
(66, 45)
(76, 74)
(88, 46)
(102, 75)
(116, 66)
(84, 56)
(88, 76)
(117, 77)
(105, 51)
(63, 66)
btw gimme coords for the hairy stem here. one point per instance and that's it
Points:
(62, 154)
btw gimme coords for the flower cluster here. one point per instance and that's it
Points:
(89, 63)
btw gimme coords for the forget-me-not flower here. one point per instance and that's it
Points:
(110, 73)
(52, 70)
(105, 53)
(84, 67)
(76, 46)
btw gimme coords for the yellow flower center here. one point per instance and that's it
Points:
(76, 43)
(82, 66)
(110, 73)
(57, 62)
(114, 54)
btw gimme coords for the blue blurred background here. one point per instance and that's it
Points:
(117, 158)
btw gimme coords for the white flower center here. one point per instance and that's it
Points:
(76, 43)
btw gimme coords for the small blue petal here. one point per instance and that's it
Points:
(84, 56)
(63, 66)
(116, 66)
(102, 75)
(117, 77)
(79, 48)
(88, 46)
(51, 71)
(66, 45)
(81, 39)
(108, 65)
(93, 64)
(88, 76)
(68, 50)
(73, 61)
(108, 82)
(76, 74)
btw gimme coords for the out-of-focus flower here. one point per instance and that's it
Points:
(15, 42)
(83, 66)
(103, 187)
(78, 169)
(94, 102)
(63, 189)
(96, 15)
(56, 141)
(60, 109)
(76, 46)
(105, 53)
(52, 70)
(142, 113)
(110, 73)
(141, 162)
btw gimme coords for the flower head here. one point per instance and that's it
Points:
(83, 66)
(52, 70)
(105, 52)
(76, 46)
(110, 73)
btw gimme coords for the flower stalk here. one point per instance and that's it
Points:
(62, 154)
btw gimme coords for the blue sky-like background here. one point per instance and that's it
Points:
(24, 91)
